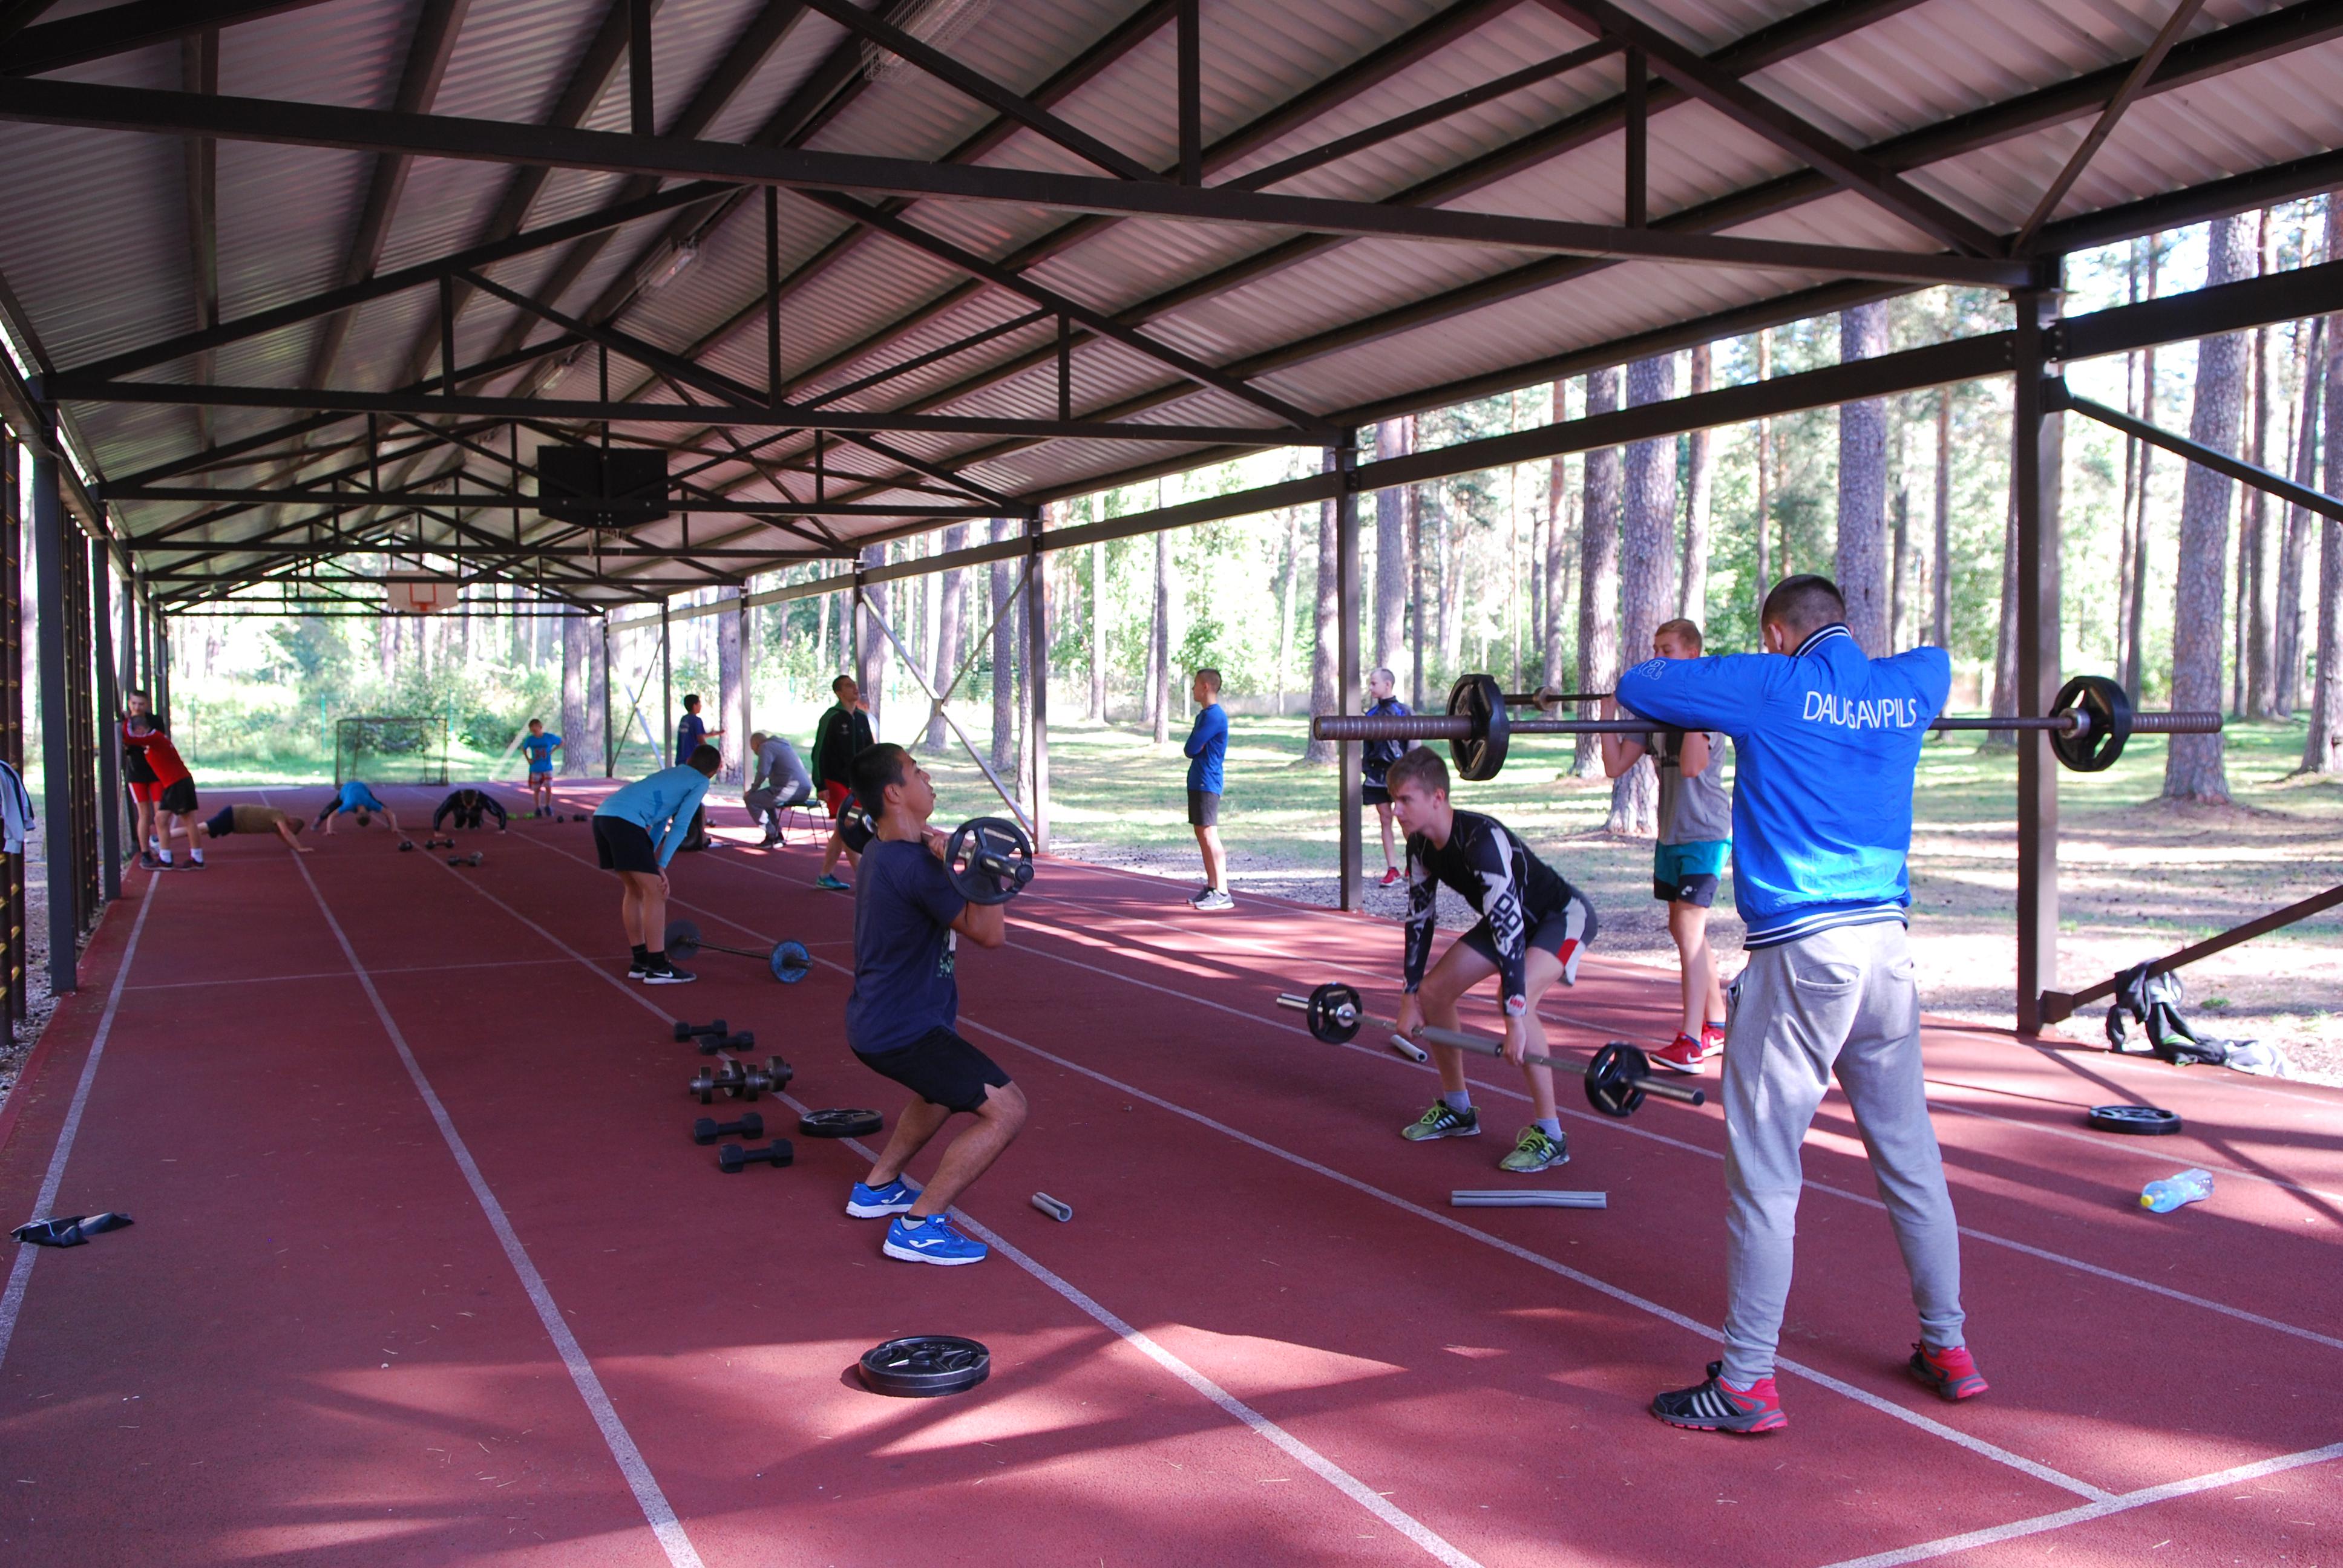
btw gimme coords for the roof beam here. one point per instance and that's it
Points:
(545, 148)
(492, 500)
(94, 35)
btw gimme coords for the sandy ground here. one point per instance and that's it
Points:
(2135, 882)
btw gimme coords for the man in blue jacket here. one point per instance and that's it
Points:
(1207, 747)
(1827, 741)
(636, 832)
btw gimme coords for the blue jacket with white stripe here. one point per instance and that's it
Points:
(1825, 744)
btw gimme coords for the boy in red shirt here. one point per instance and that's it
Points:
(168, 789)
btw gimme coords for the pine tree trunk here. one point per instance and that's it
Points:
(1700, 481)
(1863, 485)
(2261, 576)
(1324, 652)
(1004, 656)
(1764, 496)
(2135, 656)
(1598, 569)
(951, 616)
(2312, 363)
(2193, 767)
(871, 671)
(1163, 635)
(729, 687)
(1452, 589)
(1393, 438)
(1940, 569)
(1899, 583)
(1415, 598)
(577, 648)
(1648, 583)
(2005, 650)
(1557, 555)
(2322, 750)
(1289, 568)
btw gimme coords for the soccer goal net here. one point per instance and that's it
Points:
(391, 749)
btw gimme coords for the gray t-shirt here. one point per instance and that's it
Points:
(778, 766)
(1693, 810)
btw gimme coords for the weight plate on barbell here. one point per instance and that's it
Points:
(2104, 705)
(1614, 1078)
(1480, 698)
(854, 830)
(682, 941)
(2142, 1120)
(1334, 1013)
(839, 1123)
(791, 962)
(922, 1366)
(990, 860)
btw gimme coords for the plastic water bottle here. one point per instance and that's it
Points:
(2169, 1194)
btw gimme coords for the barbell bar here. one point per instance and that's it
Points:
(1618, 1077)
(2088, 723)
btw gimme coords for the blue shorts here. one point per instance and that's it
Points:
(1688, 873)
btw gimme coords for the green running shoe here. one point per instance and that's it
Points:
(1442, 1122)
(1534, 1151)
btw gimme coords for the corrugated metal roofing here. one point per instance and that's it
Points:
(97, 250)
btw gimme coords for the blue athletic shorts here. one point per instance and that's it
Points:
(1687, 873)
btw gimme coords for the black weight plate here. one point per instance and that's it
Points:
(2105, 704)
(854, 829)
(791, 963)
(1612, 1086)
(778, 1073)
(839, 1123)
(1480, 698)
(1334, 1013)
(2143, 1120)
(924, 1366)
(990, 860)
(682, 939)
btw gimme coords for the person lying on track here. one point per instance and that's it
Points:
(169, 790)
(636, 832)
(467, 806)
(253, 819)
(778, 781)
(908, 918)
(354, 797)
(1533, 928)
(1828, 741)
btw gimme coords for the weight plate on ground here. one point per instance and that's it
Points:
(2145, 1120)
(839, 1123)
(1612, 1086)
(990, 860)
(2103, 703)
(682, 941)
(1334, 1013)
(925, 1366)
(791, 963)
(1480, 698)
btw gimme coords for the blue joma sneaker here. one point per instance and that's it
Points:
(878, 1202)
(931, 1241)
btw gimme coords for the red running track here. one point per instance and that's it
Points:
(426, 1270)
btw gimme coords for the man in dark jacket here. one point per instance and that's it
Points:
(839, 735)
(1375, 760)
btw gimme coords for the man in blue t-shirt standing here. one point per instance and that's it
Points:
(1826, 742)
(1207, 748)
(636, 832)
(539, 748)
(908, 918)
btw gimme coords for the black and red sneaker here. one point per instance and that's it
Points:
(1717, 1406)
(1952, 1372)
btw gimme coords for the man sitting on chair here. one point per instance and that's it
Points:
(779, 782)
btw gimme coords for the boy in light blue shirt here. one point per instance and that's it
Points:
(356, 797)
(1207, 748)
(636, 832)
(539, 748)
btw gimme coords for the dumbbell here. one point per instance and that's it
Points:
(707, 1130)
(473, 858)
(732, 1159)
(404, 845)
(687, 1031)
(711, 1045)
(438, 843)
(740, 1083)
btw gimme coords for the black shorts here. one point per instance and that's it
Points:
(222, 824)
(1373, 795)
(179, 799)
(1576, 920)
(941, 1068)
(624, 846)
(1203, 808)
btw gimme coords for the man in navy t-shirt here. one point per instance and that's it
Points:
(691, 732)
(908, 920)
(1207, 747)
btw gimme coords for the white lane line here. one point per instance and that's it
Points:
(343, 974)
(1342, 1480)
(1481, 1086)
(680, 1553)
(1928, 1549)
(1861, 1396)
(20, 1272)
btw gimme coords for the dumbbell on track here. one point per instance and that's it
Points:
(1617, 1078)
(685, 1031)
(732, 1159)
(738, 1081)
(707, 1130)
(474, 858)
(789, 961)
(438, 843)
(728, 1044)
(2088, 723)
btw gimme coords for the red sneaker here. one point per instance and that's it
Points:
(1390, 876)
(1684, 1056)
(1951, 1373)
(1717, 1406)
(1711, 1040)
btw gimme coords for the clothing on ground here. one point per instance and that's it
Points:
(904, 948)
(1513, 890)
(841, 732)
(1825, 743)
(1207, 747)
(660, 804)
(1840, 1003)
(538, 749)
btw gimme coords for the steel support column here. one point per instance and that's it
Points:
(1346, 665)
(2037, 429)
(610, 736)
(110, 793)
(666, 689)
(1037, 682)
(57, 728)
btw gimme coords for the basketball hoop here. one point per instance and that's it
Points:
(421, 596)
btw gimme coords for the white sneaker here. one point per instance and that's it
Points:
(1212, 900)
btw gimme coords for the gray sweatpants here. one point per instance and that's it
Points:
(1841, 1001)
